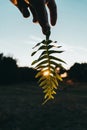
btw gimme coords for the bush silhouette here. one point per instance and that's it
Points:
(8, 69)
(78, 72)
(11, 73)
(26, 74)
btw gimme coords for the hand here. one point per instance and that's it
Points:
(39, 12)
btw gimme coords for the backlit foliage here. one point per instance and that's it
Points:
(46, 65)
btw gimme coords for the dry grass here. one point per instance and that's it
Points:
(21, 109)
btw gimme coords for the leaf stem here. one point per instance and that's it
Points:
(48, 35)
(48, 55)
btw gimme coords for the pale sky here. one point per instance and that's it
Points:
(18, 35)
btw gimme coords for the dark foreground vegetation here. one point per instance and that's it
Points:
(21, 99)
(21, 109)
(78, 72)
(10, 73)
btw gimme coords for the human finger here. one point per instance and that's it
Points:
(53, 11)
(34, 14)
(22, 6)
(40, 9)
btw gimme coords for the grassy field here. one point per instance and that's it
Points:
(21, 109)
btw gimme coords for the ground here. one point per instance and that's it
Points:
(21, 108)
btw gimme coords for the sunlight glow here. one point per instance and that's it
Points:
(46, 73)
(26, 1)
(64, 75)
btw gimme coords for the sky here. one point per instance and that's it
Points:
(18, 35)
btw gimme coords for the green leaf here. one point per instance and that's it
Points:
(43, 41)
(54, 79)
(53, 51)
(50, 46)
(60, 66)
(53, 92)
(45, 86)
(42, 48)
(33, 53)
(43, 83)
(57, 59)
(46, 95)
(36, 45)
(47, 42)
(43, 53)
(42, 57)
(53, 85)
(34, 62)
(59, 46)
(53, 63)
(59, 77)
(38, 74)
(41, 79)
(39, 59)
(41, 67)
(52, 69)
(45, 62)
(46, 90)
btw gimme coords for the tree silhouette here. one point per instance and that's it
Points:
(11, 73)
(8, 69)
(78, 72)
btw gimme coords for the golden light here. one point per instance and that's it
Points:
(26, 1)
(46, 73)
(57, 69)
(64, 75)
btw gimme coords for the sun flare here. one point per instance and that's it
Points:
(46, 73)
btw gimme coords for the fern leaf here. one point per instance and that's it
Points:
(34, 62)
(44, 82)
(39, 59)
(42, 47)
(33, 53)
(47, 42)
(43, 53)
(38, 44)
(39, 74)
(53, 51)
(42, 63)
(41, 79)
(46, 64)
(59, 77)
(57, 59)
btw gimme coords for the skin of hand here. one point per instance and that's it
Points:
(39, 12)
